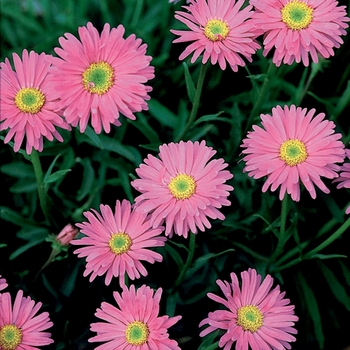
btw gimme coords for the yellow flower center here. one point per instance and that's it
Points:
(29, 100)
(10, 337)
(182, 186)
(297, 15)
(216, 30)
(136, 333)
(249, 318)
(293, 152)
(98, 78)
(120, 243)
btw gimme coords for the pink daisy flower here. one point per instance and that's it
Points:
(183, 187)
(135, 325)
(292, 146)
(3, 283)
(221, 30)
(19, 327)
(27, 104)
(344, 177)
(102, 76)
(257, 316)
(297, 28)
(116, 243)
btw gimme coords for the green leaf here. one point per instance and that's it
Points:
(90, 136)
(162, 114)
(88, 178)
(175, 255)
(346, 272)
(191, 90)
(141, 124)
(56, 175)
(19, 170)
(336, 287)
(211, 117)
(311, 305)
(25, 247)
(10, 215)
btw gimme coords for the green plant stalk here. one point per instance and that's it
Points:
(40, 182)
(262, 95)
(188, 263)
(281, 236)
(195, 105)
(314, 251)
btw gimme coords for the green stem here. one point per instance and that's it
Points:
(323, 245)
(281, 236)
(195, 105)
(262, 95)
(188, 263)
(40, 182)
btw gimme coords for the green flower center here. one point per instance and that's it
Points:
(249, 318)
(98, 78)
(297, 15)
(182, 186)
(293, 152)
(136, 333)
(120, 243)
(10, 337)
(216, 30)
(29, 100)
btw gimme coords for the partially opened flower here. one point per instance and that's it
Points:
(221, 30)
(134, 324)
(27, 104)
(293, 146)
(116, 243)
(183, 188)
(344, 176)
(256, 315)
(3, 283)
(20, 326)
(101, 76)
(299, 28)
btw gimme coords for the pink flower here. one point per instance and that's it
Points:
(257, 316)
(27, 104)
(102, 76)
(3, 283)
(297, 28)
(344, 177)
(116, 243)
(291, 147)
(19, 327)
(183, 187)
(220, 30)
(135, 325)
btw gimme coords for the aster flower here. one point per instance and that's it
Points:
(134, 324)
(221, 30)
(27, 104)
(102, 76)
(344, 177)
(20, 327)
(292, 146)
(297, 28)
(256, 315)
(116, 243)
(3, 283)
(183, 187)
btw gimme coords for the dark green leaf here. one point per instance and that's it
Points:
(191, 90)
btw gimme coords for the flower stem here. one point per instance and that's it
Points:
(195, 105)
(188, 263)
(40, 182)
(262, 95)
(281, 236)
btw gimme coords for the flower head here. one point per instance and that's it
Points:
(3, 283)
(344, 176)
(297, 28)
(19, 327)
(257, 316)
(221, 30)
(292, 146)
(27, 104)
(102, 76)
(68, 233)
(116, 243)
(134, 324)
(183, 187)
